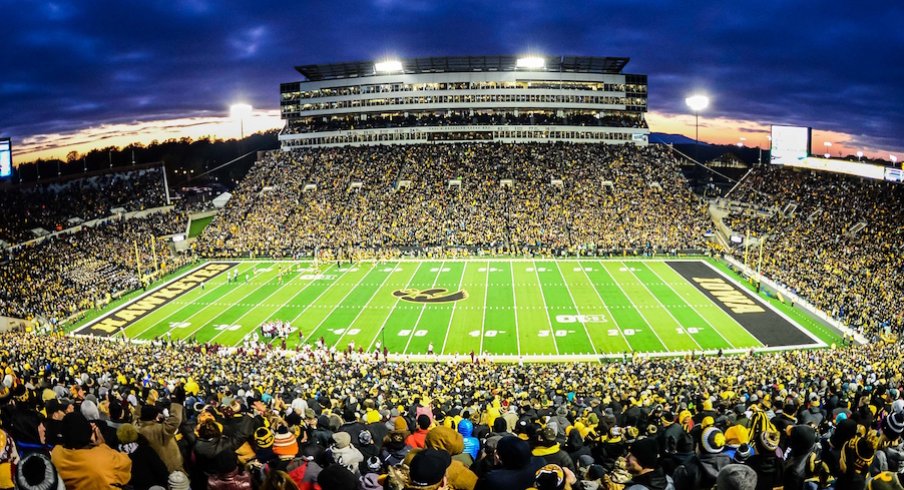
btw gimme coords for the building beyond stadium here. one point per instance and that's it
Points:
(465, 98)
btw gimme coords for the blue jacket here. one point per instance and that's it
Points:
(472, 444)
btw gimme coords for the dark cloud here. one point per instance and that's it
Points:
(834, 65)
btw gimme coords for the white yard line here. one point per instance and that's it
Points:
(423, 309)
(483, 316)
(315, 329)
(552, 330)
(369, 301)
(193, 332)
(677, 323)
(639, 312)
(713, 327)
(514, 305)
(454, 305)
(608, 311)
(576, 308)
(250, 310)
(386, 320)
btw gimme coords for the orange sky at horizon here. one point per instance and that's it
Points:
(712, 130)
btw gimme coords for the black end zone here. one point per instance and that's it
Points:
(745, 307)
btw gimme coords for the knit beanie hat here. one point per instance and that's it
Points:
(284, 443)
(893, 425)
(263, 437)
(178, 481)
(736, 435)
(342, 439)
(801, 439)
(712, 440)
(742, 453)
(736, 477)
(646, 452)
(768, 440)
(550, 477)
(127, 433)
(36, 472)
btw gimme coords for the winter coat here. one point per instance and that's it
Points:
(700, 472)
(162, 437)
(147, 467)
(511, 478)
(768, 469)
(229, 481)
(653, 480)
(349, 457)
(417, 439)
(554, 455)
(97, 467)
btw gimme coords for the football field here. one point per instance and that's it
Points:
(501, 307)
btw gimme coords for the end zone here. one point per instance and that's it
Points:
(767, 324)
(125, 315)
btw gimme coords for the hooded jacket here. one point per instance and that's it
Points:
(554, 455)
(471, 444)
(446, 439)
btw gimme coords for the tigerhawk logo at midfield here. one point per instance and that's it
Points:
(430, 295)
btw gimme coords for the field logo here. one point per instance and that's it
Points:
(430, 295)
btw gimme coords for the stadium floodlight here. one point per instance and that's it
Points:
(388, 66)
(893, 158)
(531, 62)
(697, 103)
(859, 155)
(240, 112)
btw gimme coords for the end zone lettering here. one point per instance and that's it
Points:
(735, 300)
(144, 305)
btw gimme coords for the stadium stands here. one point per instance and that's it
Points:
(67, 274)
(813, 244)
(49, 206)
(562, 198)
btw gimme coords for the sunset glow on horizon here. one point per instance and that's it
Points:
(712, 130)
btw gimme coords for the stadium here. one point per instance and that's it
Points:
(484, 256)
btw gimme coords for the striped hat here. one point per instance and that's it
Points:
(285, 443)
(712, 440)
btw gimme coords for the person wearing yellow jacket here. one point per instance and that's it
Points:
(84, 461)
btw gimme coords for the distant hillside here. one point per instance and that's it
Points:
(673, 139)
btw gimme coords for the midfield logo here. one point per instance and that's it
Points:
(430, 295)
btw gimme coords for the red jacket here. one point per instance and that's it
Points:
(418, 439)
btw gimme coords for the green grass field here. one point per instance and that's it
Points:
(517, 307)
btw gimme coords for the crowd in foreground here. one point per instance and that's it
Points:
(555, 198)
(83, 413)
(817, 252)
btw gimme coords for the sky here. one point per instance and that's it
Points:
(96, 73)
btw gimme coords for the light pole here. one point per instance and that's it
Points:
(240, 112)
(859, 156)
(697, 103)
(828, 145)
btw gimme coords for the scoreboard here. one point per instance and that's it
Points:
(6, 157)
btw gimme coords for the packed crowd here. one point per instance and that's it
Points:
(70, 273)
(856, 276)
(461, 118)
(88, 413)
(50, 206)
(548, 198)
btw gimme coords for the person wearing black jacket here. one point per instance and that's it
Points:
(516, 469)
(643, 464)
(148, 469)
